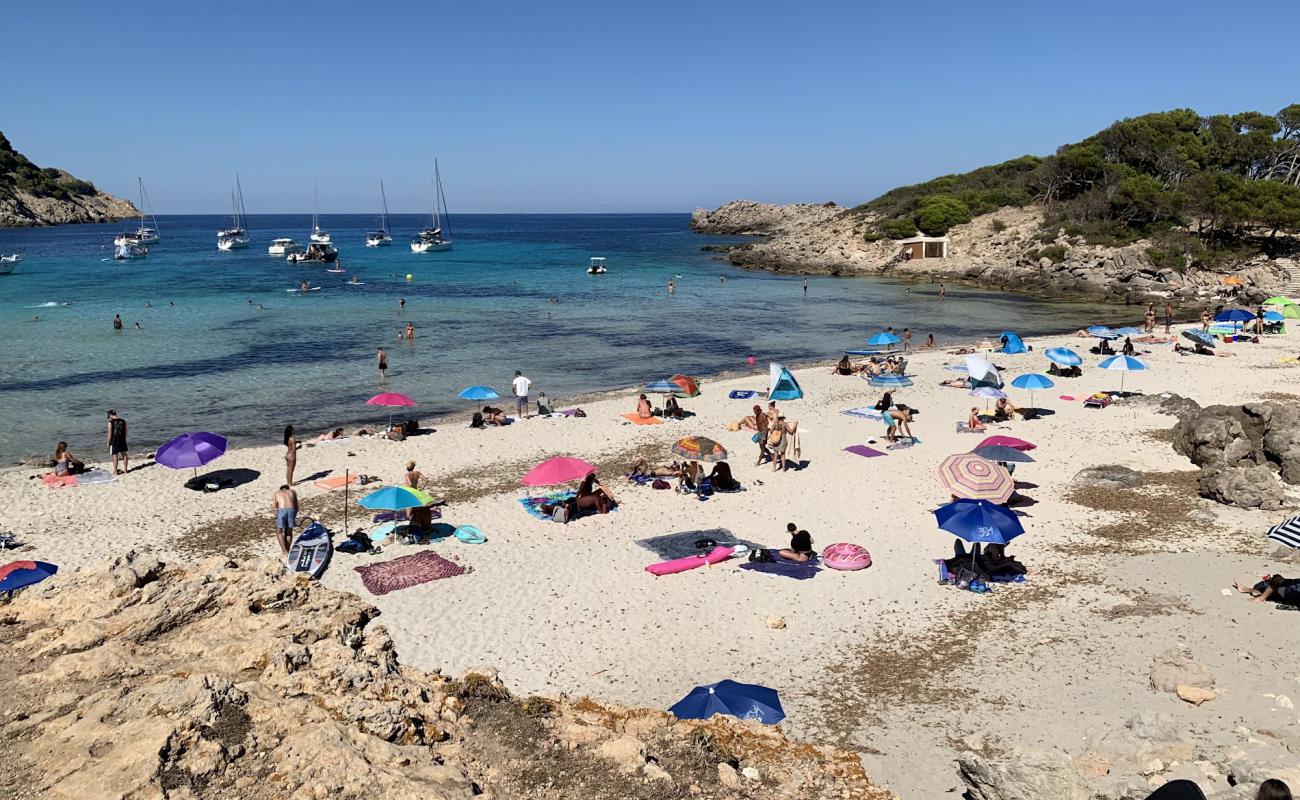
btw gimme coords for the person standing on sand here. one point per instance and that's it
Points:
(1205, 319)
(381, 362)
(1169, 317)
(290, 453)
(521, 386)
(117, 442)
(907, 339)
(929, 340)
(286, 516)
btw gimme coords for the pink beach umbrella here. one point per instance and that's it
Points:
(390, 399)
(560, 469)
(1007, 441)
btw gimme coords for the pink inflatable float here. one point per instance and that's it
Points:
(846, 556)
(690, 562)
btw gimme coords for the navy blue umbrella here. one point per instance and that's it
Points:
(20, 574)
(979, 521)
(740, 700)
(1003, 454)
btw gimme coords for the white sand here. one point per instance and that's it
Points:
(570, 609)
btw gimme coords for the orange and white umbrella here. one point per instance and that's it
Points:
(970, 477)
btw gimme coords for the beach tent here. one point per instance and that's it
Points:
(783, 386)
(1014, 343)
(1288, 307)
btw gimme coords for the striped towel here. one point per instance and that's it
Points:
(865, 412)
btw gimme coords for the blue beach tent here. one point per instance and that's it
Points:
(1014, 343)
(783, 386)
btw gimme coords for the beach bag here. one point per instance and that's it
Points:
(757, 438)
(560, 513)
(411, 426)
(476, 421)
(706, 487)
(660, 483)
(579, 413)
(774, 436)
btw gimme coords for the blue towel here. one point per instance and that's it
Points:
(865, 412)
(742, 394)
(799, 570)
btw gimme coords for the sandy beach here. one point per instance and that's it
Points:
(886, 661)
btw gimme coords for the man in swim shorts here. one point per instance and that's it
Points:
(286, 516)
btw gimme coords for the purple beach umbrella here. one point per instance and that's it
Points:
(191, 450)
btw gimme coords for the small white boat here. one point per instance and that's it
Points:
(144, 234)
(317, 252)
(596, 266)
(431, 239)
(235, 237)
(380, 238)
(317, 235)
(9, 263)
(283, 247)
(126, 250)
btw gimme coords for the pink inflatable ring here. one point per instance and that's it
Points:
(846, 556)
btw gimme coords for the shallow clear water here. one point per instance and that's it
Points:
(213, 361)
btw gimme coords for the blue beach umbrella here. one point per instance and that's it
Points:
(740, 700)
(883, 339)
(393, 498)
(478, 393)
(1064, 356)
(1122, 364)
(1033, 382)
(662, 387)
(1234, 315)
(21, 574)
(1102, 332)
(1128, 331)
(891, 381)
(1274, 316)
(1200, 337)
(978, 521)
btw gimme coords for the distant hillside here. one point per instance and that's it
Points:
(32, 195)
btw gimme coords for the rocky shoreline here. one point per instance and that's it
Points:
(23, 210)
(1004, 250)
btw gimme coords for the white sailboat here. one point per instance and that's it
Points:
(236, 236)
(144, 234)
(432, 238)
(317, 235)
(381, 237)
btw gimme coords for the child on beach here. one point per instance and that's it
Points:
(974, 422)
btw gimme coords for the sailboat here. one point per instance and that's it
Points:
(431, 239)
(380, 238)
(235, 237)
(317, 235)
(143, 235)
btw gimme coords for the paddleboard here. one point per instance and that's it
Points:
(358, 283)
(690, 562)
(336, 271)
(301, 291)
(310, 552)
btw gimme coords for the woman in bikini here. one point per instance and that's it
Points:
(290, 453)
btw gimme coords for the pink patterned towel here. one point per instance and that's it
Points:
(408, 571)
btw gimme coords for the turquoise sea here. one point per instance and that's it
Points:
(206, 358)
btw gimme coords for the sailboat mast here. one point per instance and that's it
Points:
(442, 198)
(434, 216)
(239, 191)
(140, 185)
(384, 199)
(315, 208)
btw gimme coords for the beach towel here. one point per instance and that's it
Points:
(58, 481)
(865, 412)
(533, 505)
(742, 394)
(799, 570)
(94, 477)
(864, 451)
(335, 481)
(903, 443)
(635, 420)
(964, 428)
(682, 544)
(407, 571)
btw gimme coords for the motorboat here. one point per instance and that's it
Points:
(431, 239)
(125, 251)
(283, 247)
(143, 234)
(317, 235)
(236, 236)
(9, 263)
(596, 266)
(381, 237)
(317, 252)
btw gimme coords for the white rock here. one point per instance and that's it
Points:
(750, 773)
(1284, 702)
(1153, 767)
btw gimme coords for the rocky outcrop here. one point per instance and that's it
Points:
(143, 680)
(1242, 451)
(1006, 250)
(20, 209)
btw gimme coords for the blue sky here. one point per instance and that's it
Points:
(615, 106)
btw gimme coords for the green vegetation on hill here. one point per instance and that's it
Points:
(1204, 188)
(17, 173)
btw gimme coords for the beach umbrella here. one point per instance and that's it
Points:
(1288, 533)
(1128, 331)
(987, 392)
(21, 574)
(1279, 300)
(392, 400)
(975, 478)
(395, 498)
(733, 699)
(478, 393)
(1003, 454)
(686, 386)
(979, 521)
(1200, 337)
(873, 351)
(883, 339)
(1064, 356)
(1009, 441)
(560, 469)
(1234, 315)
(891, 381)
(661, 387)
(1122, 364)
(1286, 306)
(1274, 316)
(1101, 332)
(981, 369)
(1033, 382)
(699, 448)
(191, 450)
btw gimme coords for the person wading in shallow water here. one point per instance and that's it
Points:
(381, 362)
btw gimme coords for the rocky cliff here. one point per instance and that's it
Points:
(144, 680)
(31, 195)
(1005, 250)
